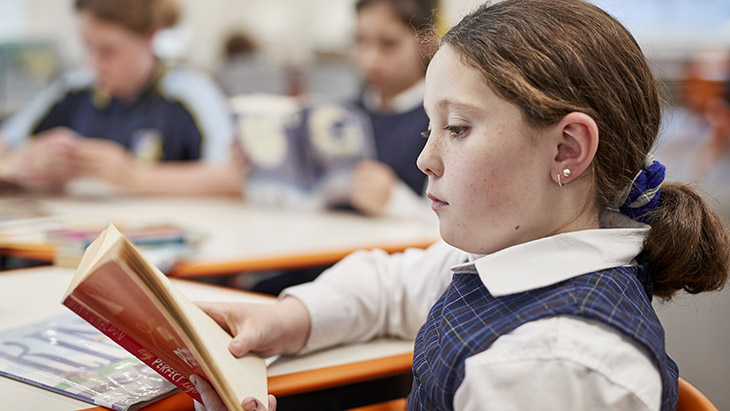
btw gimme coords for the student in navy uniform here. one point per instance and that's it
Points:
(130, 120)
(392, 60)
(560, 231)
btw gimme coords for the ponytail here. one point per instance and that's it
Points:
(688, 246)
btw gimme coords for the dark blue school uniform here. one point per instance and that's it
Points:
(617, 297)
(180, 116)
(399, 142)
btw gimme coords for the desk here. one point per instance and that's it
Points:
(239, 237)
(33, 295)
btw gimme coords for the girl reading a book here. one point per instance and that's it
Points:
(391, 57)
(129, 120)
(557, 230)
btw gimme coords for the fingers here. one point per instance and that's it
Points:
(251, 404)
(371, 186)
(229, 317)
(244, 341)
(272, 403)
(370, 199)
(215, 312)
(211, 400)
(59, 135)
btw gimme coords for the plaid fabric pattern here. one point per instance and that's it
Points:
(467, 319)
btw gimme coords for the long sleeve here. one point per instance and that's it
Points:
(564, 363)
(371, 294)
(18, 128)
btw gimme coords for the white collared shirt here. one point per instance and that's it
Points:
(556, 363)
(404, 101)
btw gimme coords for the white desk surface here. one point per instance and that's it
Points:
(33, 295)
(240, 237)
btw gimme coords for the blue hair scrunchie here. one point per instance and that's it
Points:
(644, 191)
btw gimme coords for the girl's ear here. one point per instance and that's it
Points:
(577, 142)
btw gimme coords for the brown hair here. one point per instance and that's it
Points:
(553, 57)
(239, 42)
(415, 13)
(139, 16)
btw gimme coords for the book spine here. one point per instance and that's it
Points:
(128, 343)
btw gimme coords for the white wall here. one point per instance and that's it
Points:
(291, 29)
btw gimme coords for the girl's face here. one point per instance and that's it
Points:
(386, 50)
(488, 170)
(119, 57)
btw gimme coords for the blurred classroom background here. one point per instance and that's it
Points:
(294, 46)
(313, 38)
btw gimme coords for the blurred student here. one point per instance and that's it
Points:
(129, 121)
(392, 61)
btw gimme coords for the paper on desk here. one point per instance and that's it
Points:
(69, 356)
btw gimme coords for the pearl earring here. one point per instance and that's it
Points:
(566, 173)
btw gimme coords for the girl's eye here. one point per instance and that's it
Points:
(426, 134)
(457, 131)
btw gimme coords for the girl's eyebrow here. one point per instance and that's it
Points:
(448, 104)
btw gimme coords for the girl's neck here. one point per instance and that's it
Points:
(139, 83)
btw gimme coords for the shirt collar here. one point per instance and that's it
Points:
(553, 259)
(405, 101)
(102, 99)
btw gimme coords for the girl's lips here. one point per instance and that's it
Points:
(436, 203)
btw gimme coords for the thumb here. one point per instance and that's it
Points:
(243, 342)
(213, 310)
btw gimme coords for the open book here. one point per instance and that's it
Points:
(128, 299)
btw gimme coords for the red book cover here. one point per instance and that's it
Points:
(128, 343)
(120, 293)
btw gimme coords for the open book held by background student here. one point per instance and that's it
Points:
(121, 294)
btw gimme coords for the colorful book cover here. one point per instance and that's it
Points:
(67, 355)
(140, 328)
(121, 294)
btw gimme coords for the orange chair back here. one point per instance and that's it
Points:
(691, 399)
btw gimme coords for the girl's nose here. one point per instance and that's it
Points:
(429, 161)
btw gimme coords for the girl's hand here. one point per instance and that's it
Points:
(372, 183)
(106, 160)
(266, 329)
(45, 161)
(212, 402)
